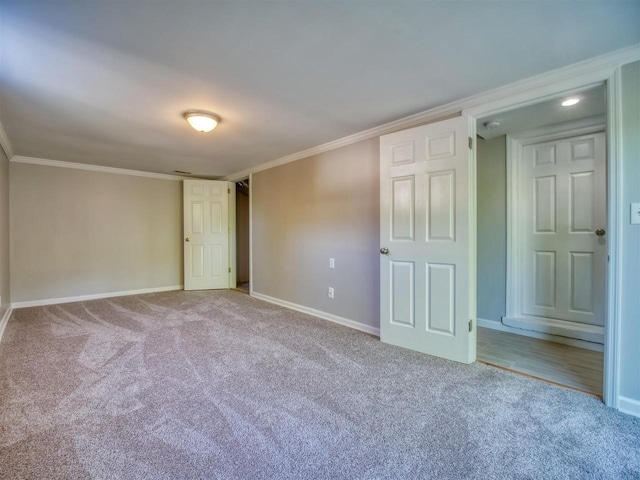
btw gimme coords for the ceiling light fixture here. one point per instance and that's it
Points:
(201, 120)
(490, 125)
(570, 101)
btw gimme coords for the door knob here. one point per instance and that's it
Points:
(384, 251)
(600, 232)
(186, 239)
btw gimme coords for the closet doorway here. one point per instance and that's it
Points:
(542, 243)
(243, 249)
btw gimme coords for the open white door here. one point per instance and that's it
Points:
(206, 234)
(427, 235)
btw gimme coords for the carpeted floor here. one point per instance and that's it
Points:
(220, 385)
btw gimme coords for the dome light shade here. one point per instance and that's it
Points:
(201, 120)
(570, 101)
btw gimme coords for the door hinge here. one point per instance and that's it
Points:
(229, 230)
(229, 269)
(228, 191)
(470, 143)
(470, 325)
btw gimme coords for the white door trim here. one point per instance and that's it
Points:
(611, 76)
(251, 234)
(513, 315)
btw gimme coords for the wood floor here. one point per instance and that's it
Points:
(573, 367)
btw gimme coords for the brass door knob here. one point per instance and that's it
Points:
(186, 239)
(600, 232)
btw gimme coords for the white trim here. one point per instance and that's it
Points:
(585, 126)
(614, 240)
(95, 296)
(317, 313)
(553, 326)
(5, 144)
(494, 325)
(629, 406)
(5, 320)
(94, 168)
(530, 90)
(250, 234)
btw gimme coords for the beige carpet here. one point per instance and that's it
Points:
(220, 385)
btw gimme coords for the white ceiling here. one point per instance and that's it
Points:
(105, 83)
(551, 112)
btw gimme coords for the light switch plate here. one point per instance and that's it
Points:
(332, 263)
(635, 213)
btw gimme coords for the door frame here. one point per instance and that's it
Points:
(513, 314)
(610, 76)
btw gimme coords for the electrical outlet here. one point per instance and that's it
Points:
(635, 213)
(332, 263)
(330, 292)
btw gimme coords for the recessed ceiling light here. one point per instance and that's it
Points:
(201, 120)
(570, 101)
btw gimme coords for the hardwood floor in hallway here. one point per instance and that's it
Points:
(573, 367)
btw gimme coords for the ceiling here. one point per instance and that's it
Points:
(551, 112)
(106, 83)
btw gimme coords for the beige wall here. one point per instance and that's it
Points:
(76, 232)
(242, 236)
(4, 233)
(307, 211)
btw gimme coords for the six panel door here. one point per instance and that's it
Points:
(563, 204)
(426, 224)
(206, 234)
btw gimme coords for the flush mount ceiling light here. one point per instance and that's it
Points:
(490, 125)
(201, 120)
(570, 101)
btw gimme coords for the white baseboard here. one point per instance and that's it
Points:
(5, 320)
(95, 296)
(317, 313)
(494, 325)
(629, 406)
(559, 328)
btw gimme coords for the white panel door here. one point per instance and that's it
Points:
(562, 207)
(426, 223)
(206, 234)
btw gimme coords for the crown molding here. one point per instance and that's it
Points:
(583, 73)
(93, 168)
(5, 144)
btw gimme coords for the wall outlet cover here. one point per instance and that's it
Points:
(635, 213)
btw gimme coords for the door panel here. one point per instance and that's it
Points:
(206, 219)
(563, 203)
(425, 222)
(402, 293)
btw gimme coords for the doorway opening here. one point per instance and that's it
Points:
(542, 240)
(243, 250)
